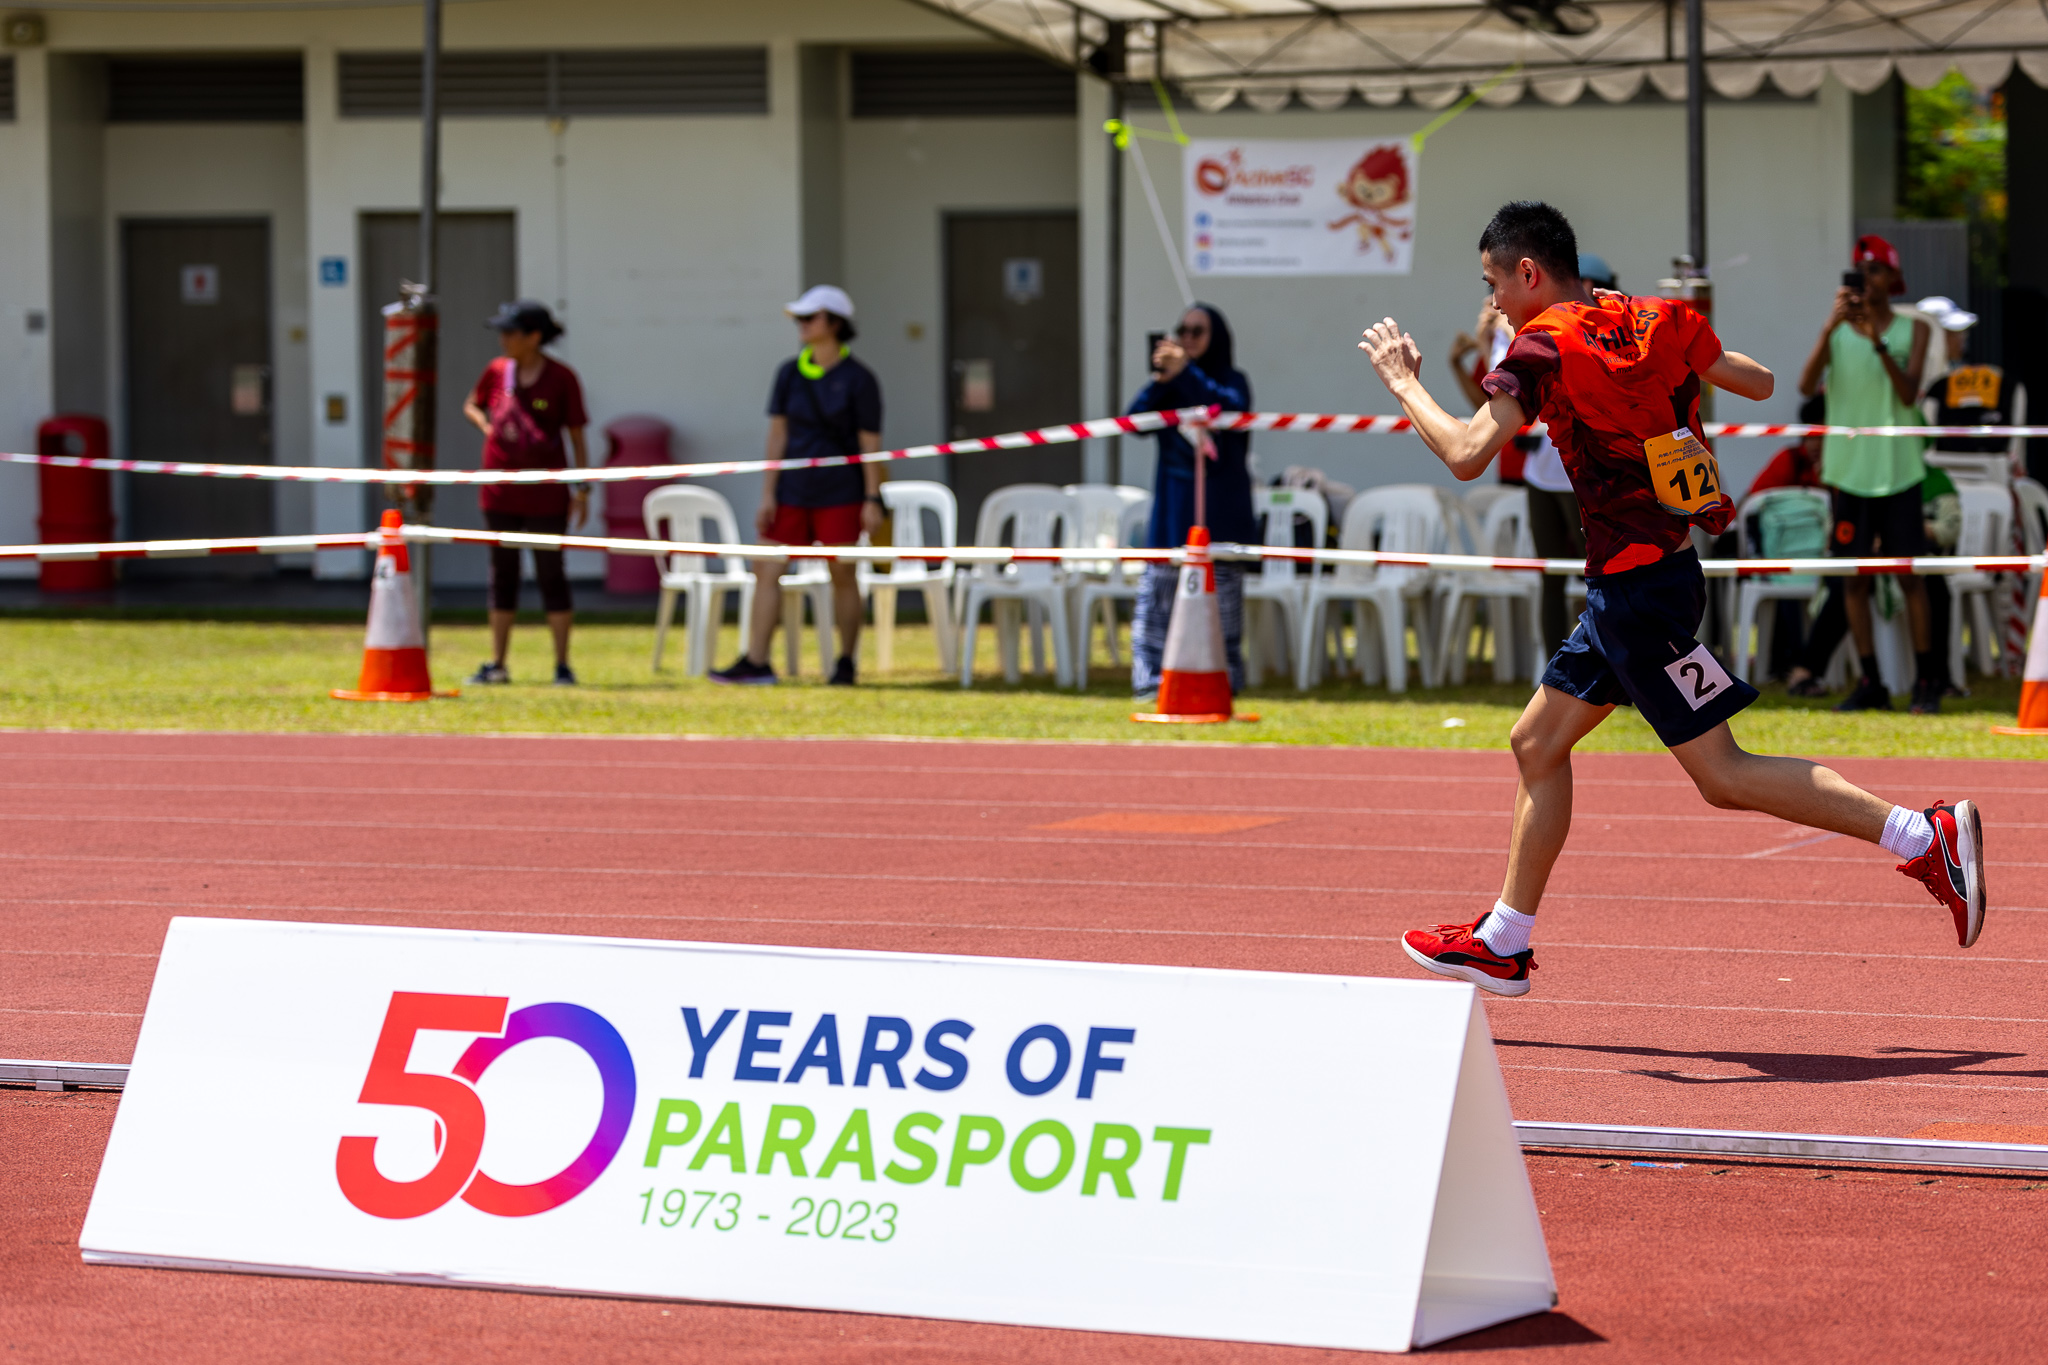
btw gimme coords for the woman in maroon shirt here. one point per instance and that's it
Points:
(523, 404)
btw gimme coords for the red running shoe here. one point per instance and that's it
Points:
(1953, 866)
(1452, 950)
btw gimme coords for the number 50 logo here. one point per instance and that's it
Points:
(459, 1132)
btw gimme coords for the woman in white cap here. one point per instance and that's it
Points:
(824, 403)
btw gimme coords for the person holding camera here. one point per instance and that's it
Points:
(1194, 367)
(1869, 358)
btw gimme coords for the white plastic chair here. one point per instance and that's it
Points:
(1275, 596)
(1095, 597)
(1748, 615)
(1987, 530)
(1045, 519)
(679, 512)
(1403, 518)
(808, 580)
(908, 500)
(1511, 599)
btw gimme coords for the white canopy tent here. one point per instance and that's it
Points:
(1270, 53)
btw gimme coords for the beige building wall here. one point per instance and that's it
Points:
(1778, 234)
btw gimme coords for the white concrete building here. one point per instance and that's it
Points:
(667, 174)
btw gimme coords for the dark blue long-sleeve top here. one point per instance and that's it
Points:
(1229, 489)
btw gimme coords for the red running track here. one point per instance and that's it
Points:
(1699, 968)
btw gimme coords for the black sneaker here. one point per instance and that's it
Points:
(488, 673)
(842, 672)
(744, 670)
(565, 676)
(1868, 695)
(1926, 698)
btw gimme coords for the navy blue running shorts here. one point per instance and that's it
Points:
(1634, 646)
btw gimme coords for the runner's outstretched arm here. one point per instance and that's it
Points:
(1741, 376)
(1466, 448)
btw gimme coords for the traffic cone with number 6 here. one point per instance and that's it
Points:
(2034, 681)
(1194, 680)
(394, 648)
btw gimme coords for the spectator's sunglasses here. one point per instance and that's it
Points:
(1198, 330)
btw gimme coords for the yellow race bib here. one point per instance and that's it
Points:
(1683, 472)
(1973, 386)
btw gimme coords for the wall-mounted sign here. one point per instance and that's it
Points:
(1023, 279)
(199, 284)
(1246, 1156)
(1338, 206)
(333, 272)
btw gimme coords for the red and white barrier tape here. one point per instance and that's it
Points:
(1137, 424)
(979, 554)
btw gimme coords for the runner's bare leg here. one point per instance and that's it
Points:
(1732, 778)
(1542, 739)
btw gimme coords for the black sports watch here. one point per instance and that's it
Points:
(876, 499)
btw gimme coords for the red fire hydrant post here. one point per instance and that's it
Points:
(632, 441)
(77, 504)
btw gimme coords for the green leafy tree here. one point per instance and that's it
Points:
(1955, 166)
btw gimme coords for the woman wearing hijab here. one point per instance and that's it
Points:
(1193, 367)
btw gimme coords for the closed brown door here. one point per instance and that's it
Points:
(1013, 347)
(196, 301)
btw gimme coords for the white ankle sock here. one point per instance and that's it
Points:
(1907, 833)
(1506, 931)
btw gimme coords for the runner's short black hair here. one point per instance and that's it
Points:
(1533, 229)
(842, 327)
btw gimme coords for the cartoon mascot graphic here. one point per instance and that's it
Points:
(1377, 188)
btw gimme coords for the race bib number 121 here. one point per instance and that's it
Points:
(1683, 472)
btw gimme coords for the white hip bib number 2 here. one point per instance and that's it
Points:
(1699, 676)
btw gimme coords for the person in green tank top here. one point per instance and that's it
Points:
(1869, 358)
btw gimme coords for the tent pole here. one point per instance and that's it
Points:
(1695, 134)
(428, 396)
(1114, 283)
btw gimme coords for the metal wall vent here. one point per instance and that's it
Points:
(542, 84)
(959, 85)
(203, 89)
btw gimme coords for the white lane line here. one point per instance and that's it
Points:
(926, 771)
(1773, 1080)
(71, 952)
(1768, 1009)
(1799, 843)
(912, 801)
(1112, 930)
(102, 1014)
(1424, 849)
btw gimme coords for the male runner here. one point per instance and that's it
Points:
(1617, 380)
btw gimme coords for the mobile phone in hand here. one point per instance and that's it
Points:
(1852, 280)
(1152, 343)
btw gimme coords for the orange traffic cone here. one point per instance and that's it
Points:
(394, 650)
(2034, 680)
(1194, 684)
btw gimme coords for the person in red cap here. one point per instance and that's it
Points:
(1617, 381)
(1869, 358)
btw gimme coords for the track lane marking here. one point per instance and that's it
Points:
(1770, 1009)
(1772, 1080)
(1139, 931)
(917, 770)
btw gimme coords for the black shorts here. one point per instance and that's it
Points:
(1893, 526)
(1635, 646)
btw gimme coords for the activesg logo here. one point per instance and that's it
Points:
(459, 1111)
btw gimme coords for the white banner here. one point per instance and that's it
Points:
(1340, 206)
(1315, 1160)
